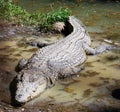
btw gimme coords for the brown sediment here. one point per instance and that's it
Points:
(20, 44)
(67, 81)
(68, 90)
(113, 14)
(112, 57)
(117, 66)
(17, 55)
(30, 50)
(95, 84)
(89, 73)
(87, 93)
(89, 64)
(92, 20)
(44, 107)
(111, 32)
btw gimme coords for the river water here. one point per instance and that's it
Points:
(99, 16)
(92, 87)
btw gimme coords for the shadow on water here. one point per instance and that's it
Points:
(13, 88)
(67, 29)
(116, 93)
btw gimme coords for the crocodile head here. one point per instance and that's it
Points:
(29, 86)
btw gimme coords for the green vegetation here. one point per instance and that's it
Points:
(15, 14)
(49, 18)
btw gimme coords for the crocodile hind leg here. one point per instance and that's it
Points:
(97, 50)
(64, 70)
(70, 71)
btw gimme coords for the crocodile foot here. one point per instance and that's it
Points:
(99, 49)
(39, 44)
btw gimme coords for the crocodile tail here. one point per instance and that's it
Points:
(80, 26)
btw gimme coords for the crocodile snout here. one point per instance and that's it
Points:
(20, 98)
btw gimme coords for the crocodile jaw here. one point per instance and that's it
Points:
(27, 91)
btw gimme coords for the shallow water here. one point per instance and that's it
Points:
(93, 85)
(100, 76)
(99, 16)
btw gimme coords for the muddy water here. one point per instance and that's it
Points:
(91, 88)
(94, 84)
(11, 51)
(98, 15)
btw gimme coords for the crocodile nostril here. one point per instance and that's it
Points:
(19, 96)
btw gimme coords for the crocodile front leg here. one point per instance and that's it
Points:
(39, 44)
(97, 50)
(21, 64)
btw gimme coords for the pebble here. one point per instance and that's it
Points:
(22, 109)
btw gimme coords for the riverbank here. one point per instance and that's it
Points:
(15, 20)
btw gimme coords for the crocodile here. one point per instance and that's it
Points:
(58, 60)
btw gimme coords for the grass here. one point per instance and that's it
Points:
(16, 15)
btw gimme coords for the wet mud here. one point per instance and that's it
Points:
(94, 89)
(91, 90)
